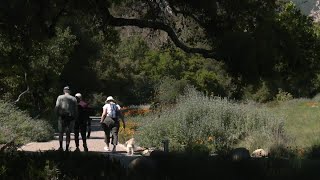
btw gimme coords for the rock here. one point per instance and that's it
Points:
(147, 152)
(142, 167)
(259, 153)
(240, 154)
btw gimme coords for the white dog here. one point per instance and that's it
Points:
(130, 146)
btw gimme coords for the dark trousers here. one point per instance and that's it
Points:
(80, 127)
(65, 124)
(89, 127)
(111, 126)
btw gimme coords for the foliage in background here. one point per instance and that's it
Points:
(168, 90)
(132, 116)
(96, 102)
(279, 51)
(128, 132)
(283, 96)
(206, 75)
(296, 65)
(260, 93)
(37, 67)
(204, 123)
(258, 46)
(138, 70)
(19, 126)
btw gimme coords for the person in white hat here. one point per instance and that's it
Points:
(110, 122)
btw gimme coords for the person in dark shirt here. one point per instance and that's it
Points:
(91, 113)
(81, 122)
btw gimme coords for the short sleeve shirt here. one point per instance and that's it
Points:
(67, 104)
(108, 107)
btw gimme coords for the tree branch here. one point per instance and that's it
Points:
(185, 13)
(51, 28)
(24, 92)
(161, 26)
(108, 19)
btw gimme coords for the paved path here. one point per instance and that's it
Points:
(95, 143)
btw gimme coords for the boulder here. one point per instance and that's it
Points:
(259, 153)
(147, 152)
(142, 167)
(240, 154)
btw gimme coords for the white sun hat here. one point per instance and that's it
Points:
(110, 98)
(78, 95)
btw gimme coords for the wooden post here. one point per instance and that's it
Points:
(165, 145)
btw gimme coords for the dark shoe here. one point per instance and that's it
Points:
(67, 149)
(114, 149)
(88, 135)
(85, 149)
(60, 149)
(77, 150)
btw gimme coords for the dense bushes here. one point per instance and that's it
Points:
(19, 126)
(58, 165)
(202, 123)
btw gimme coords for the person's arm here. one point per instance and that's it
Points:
(76, 108)
(56, 108)
(103, 115)
(122, 117)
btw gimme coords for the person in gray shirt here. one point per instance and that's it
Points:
(67, 111)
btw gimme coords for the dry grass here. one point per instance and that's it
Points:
(302, 121)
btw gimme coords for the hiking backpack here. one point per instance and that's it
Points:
(115, 112)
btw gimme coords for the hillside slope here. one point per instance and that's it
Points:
(309, 7)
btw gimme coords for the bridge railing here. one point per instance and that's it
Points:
(95, 118)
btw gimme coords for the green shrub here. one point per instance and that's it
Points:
(18, 125)
(214, 122)
(283, 96)
(169, 89)
(281, 151)
(316, 97)
(260, 94)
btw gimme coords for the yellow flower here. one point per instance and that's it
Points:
(210, 138)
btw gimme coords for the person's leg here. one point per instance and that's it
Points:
(76, 134)
(89, 128)
(69, 127)
(114, 132)
(60, 128)
(83, 129)
(106, 130)
(67, 138)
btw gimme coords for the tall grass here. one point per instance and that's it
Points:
(302, 120)
(19, 126)
(202, 123)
